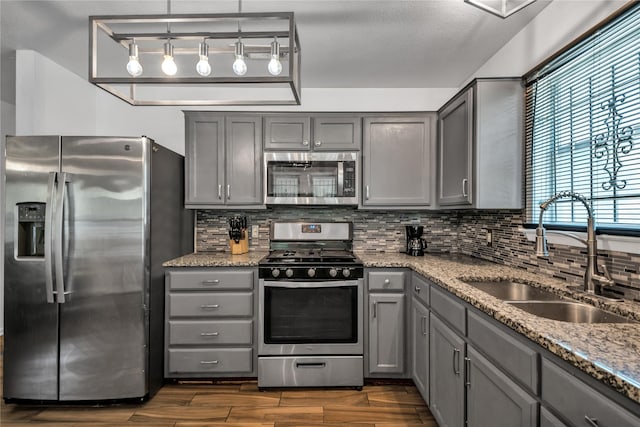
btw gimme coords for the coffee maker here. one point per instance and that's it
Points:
(415, 243)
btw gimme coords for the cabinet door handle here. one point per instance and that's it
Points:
(366, 192)
(208, 362)
(219, 191)
(209, 334)
(465, 184)
(456, 361)
(210, 282)
(305, 142)
(375, 310)
(228, 191)
(593, 422)
(417, 289)
(424, 325)
(207, 306)
(318, 143)
(467, 372)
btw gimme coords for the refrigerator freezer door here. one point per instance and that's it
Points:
(103, 334)
(31, 324)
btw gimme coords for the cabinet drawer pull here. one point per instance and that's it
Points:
(593, 422)
(210, 282)
(209, 334)
(417, 289)
(387, 281)
(310, 364)
(465, 184)
(456, 361)
(206, 306)
(208, 362)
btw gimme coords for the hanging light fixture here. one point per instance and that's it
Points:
(274, 66)
(203, 67)
(260, 36)
(507, 7)
(134, 68)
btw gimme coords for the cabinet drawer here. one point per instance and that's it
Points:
(576, 400)
(386, 281)
(547, 419)
(211, 279)
(510, 355)
(205, 361)
(210, 332)
(420, 288)
(211, 304)
(448, 308)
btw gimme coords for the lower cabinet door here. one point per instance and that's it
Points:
(420, 347)
(386, 333)
(493, 399)
(446, 379)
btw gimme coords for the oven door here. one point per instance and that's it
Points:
(310, 318)
(311, 178)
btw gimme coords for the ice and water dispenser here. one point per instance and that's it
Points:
(31, 229)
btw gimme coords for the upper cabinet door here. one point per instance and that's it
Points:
(456, 151)
(287, 133)
(398, 161)
(243, 137)
(204, 159)
(337, 133)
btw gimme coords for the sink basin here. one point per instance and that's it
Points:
(569, 311)
(508, 290)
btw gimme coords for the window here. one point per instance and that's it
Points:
(583, 129)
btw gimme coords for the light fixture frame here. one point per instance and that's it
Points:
(501, 13)
(292, 79)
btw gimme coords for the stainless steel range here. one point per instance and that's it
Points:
(311, 303)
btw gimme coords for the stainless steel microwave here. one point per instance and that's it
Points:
(311, 178)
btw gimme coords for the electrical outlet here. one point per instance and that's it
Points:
(255, 232)
(489, 238)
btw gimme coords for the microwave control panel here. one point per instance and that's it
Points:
(349, 183)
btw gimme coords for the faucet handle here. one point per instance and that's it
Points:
(607, 275)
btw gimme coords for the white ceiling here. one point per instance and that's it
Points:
(354, 43)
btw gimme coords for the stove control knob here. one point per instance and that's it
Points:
(346, 272)
(311, 272)
(289, 272)
(275, 272)
(333, 272)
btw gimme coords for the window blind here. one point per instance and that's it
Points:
(582, 129)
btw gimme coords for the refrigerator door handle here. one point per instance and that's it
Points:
(48, 220)
(57, 239)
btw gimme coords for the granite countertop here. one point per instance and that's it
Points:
(609, 352)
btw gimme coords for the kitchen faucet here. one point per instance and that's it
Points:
(592, 276)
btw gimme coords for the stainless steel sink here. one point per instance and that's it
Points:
(569, 311)
(508, 290)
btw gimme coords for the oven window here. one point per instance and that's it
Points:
(311, 315)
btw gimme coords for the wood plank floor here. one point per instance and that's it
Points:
(236, 404)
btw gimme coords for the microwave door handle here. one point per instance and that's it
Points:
(57, 238)
(340, 189)
(48, 248)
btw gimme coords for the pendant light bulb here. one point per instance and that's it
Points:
(239, 65)
(274, 66)
(169, 66)
(203, 67)
(134, 68)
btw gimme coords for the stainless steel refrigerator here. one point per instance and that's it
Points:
(88, 223)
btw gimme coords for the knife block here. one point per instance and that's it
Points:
(242, 247)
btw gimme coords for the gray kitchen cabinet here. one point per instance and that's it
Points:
(223, 160)
(399, 161)
(318, 132)
(386, 327)
(547, 419)
(493, 399)
(210, 318)
(480, 146)
(420, 347)
(446, 374)
(578, 402)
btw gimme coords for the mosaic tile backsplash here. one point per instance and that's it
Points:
(462, 231)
